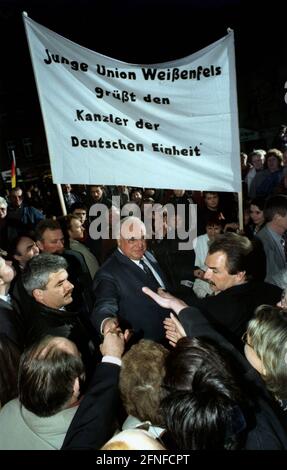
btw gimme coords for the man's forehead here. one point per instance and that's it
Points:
(211, 225)
(132, 229)
(25, 243)
(53, 234)
(58, 275)
(216, 258)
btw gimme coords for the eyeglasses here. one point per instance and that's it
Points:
(245, 340)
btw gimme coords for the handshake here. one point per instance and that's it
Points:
(114, 338)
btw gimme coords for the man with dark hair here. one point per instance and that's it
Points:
(214, 227)
(50, 375)
(230, 266)
(49, 388)
(79, 210)
(22, 249)
(19, 214)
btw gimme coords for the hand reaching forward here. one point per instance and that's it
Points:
(173, 329)
(165, 299)
(113, 344)
(111, 325)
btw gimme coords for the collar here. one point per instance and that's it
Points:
(7, 298)
(136, 261)
(274, 234)
(283, 404)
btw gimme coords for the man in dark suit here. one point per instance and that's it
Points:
(118, 286)
(45, 280)
(231, 262)
(96, 418)
(10, 322)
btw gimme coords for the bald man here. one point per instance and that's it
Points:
(118, 283)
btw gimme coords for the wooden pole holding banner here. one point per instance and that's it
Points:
(62, 200)
(240, 194)
(240, 211)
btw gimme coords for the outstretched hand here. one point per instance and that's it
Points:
(113, 344)
(173, 329)
(165, 299)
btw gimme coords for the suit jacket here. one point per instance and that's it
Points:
(118, 292)
(49, 321)
(80, 277)
(231, 309)
(95, 420)
(275, 260)
(26, 431)
(267, 428)
(12, 324)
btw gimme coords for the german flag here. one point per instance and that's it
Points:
(13, 171)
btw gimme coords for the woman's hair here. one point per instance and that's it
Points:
(9, 364)
(141, 378)
(267, 334)
(259, 202)
(277, 154)
(202, 409)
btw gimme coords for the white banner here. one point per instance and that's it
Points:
(169, 125)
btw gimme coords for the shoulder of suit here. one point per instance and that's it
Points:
(108, 268)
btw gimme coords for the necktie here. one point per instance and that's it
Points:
(149, 273)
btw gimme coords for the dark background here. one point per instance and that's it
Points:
(144, 31)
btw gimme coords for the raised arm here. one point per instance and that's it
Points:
(165, 299)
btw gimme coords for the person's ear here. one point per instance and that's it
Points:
(38, 295)
(40, 245)
(241, 275)
(76, 387)
(17, 258)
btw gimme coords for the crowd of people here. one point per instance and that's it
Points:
(157, 324)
